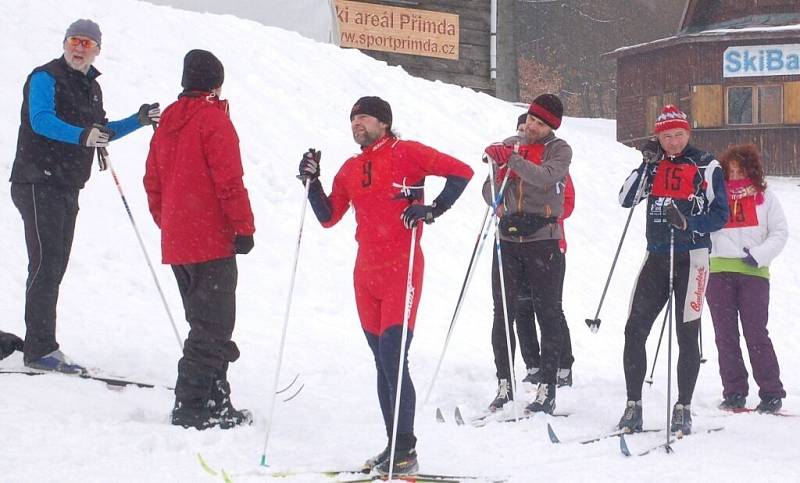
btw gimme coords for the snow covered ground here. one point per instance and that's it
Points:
(287, 94)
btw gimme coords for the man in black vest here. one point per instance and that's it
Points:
(62, 124)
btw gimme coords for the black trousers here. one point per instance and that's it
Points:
(650, 295)
(386, 350)
(526, 328)
(48, 214)
(208, 291)
(541, 262)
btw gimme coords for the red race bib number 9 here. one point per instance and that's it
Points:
(742, 212)
(674, 180)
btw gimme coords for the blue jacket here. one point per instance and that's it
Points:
(695, 183)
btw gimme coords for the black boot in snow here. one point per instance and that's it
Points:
(681, 419)
(732, 402)
(222, 411)
(375, 460)
(405, 463)
(769, 405)
(192, 416)
(631, 421)
(504, 395)
(545, 401)
(534, 376)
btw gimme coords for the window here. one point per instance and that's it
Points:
(654, 106)
(749, 105)
(706, 106)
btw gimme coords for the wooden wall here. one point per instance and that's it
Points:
(702, 13)
(671, 72)
(472, 67)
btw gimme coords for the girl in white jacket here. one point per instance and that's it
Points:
(738, 286)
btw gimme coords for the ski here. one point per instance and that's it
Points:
(357, 476)
(457, 416)
(482, 421)
(409, 478)
(754, 410)
(439, 416)
(112, 382)
(625, 450)
(617, 433)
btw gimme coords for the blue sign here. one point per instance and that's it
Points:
(761, 60)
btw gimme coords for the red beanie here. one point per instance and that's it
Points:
(548, 108)
(670, 118)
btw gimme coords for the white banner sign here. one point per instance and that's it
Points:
(761, 60)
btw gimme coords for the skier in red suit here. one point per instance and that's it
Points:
(384, 184)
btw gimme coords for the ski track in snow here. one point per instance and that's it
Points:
(287, 94)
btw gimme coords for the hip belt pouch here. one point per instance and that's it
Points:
(524, 224)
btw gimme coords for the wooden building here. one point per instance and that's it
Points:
(733, 67)
(438, 52)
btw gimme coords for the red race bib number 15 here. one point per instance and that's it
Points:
(674, 180)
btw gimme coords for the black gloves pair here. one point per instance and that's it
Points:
(675, 217)
(149, 114)
(651, 151)
(309, 165)
(243, 244)
(97, 136)
(416, 213)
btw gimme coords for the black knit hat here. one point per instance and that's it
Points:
(522, 119)
(547, 108)
(202, 71)
(375, 107)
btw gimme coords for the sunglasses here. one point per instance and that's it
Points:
(76, 41)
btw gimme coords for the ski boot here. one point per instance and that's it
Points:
(733, 402)
(681, 420)
(56, 361)
(405, 463)
(769, 405)
(534, 376)
(545, 401)
(223, 413)
(375, 460)
(631, 421)
(191, 416)
(564, 378)
(504, 395)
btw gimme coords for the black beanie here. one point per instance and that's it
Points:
(548, 108)
(522, 119)
(375, 107)
(202, 71)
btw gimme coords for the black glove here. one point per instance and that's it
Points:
(675, 217)
(651, 151)
(243, 244)
(149, 114)
(416, 213)
(749, 260)
(97, 136)
(309, 165)
(8, 344)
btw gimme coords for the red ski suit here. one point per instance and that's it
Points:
(371, 182)
(193, 179)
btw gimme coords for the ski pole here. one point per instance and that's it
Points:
(499, 251)
(273, 394)
(403, 339)
(669, 341)
(106, 159)
(649, 380)
(594, 324)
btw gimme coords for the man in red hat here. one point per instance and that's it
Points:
(686, 201)
(532, 203)
(384, 183)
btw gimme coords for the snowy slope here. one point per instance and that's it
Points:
(287, 94)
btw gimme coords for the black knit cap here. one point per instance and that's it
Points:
(202, 71)
(548, 108)
(522, 119)
(375, 107)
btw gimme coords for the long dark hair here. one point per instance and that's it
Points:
(749, 160)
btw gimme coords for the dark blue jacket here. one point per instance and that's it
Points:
(58, 104)
(702, 199)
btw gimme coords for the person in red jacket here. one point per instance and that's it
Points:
(385, 186)
(193, 180)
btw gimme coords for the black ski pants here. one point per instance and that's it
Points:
(208, 291)
(649, 297)
(48, 215)
(526, 328)
(543, 264)
(386, 350)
